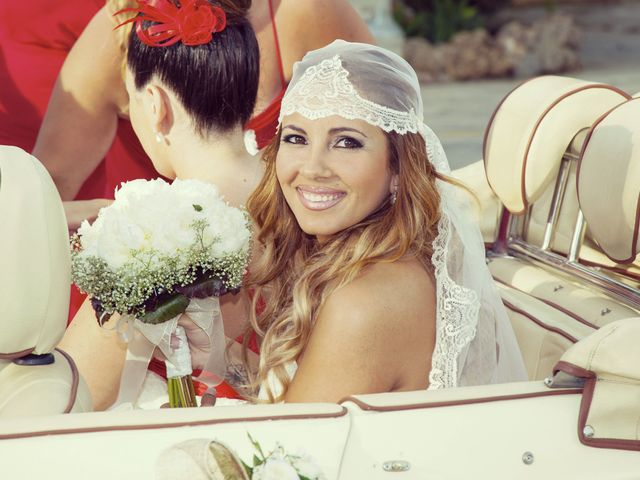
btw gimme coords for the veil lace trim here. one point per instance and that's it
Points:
(457, 314)
(324, 90)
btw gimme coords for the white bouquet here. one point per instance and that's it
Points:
(161, 250)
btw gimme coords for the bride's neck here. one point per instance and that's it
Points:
(220, 159)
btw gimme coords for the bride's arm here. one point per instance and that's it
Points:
(98, 352)
(376, 334)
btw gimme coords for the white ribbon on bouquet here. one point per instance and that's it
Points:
(143, 338)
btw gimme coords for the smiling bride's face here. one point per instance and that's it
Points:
(333, 172)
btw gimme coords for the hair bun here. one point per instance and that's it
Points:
(235, 9)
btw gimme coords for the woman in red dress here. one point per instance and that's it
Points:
(87, 118)
(35, 38)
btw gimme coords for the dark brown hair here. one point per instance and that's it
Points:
(216, 82)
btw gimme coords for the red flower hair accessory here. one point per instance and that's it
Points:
(193, 23)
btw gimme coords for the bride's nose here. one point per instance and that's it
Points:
(315, 162)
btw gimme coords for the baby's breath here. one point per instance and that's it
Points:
(140, 274)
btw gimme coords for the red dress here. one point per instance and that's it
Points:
(35, 37)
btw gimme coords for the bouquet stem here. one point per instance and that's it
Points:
(179, 381)
(181, 392)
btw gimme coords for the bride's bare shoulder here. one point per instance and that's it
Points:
(402, 290)
(374, 334)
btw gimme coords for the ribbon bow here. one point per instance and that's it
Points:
(193, 23)
(143, 338)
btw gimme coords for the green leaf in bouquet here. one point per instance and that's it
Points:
(197, 208)
(256, 460)
(205, 287)
(174, 306)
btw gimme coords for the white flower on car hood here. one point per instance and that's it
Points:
(275, 469)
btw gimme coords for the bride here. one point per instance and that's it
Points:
(372, 269)
(371, 274)
(188, 103)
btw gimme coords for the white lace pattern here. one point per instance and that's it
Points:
(324, 90)
(456, 311)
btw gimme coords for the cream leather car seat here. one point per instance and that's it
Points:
(531, 129)
(525, 142)
(35, 377)
(615, 223)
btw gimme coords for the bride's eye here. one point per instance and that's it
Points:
(348, 142)
(294, 139)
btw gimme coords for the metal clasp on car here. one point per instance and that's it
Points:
(564, 380)
(396, 466)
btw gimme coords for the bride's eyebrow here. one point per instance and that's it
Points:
(334, 131)
(294, 128)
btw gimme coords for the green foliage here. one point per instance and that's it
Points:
(439, 20)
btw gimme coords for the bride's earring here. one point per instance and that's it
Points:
(393, 196)
(159, 137)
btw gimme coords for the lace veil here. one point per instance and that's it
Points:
(474, 340)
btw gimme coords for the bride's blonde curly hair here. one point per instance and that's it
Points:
(294, 274)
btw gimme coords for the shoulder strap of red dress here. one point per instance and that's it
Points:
(277, 43)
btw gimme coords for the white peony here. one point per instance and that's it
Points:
(154, 237)
(275, 469)
(154, 215)
(307, 467)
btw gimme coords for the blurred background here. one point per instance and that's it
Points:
(470, 53)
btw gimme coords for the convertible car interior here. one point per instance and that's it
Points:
(558, 195)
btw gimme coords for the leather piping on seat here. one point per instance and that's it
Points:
(157, 426)
(585, 404)
(14, 355)
(636, 227)
(523, 192)
(492, 117)
(75, 379)
(562, 309)
(539, 322)
(490, 124)
(455, 403)
(525, 203)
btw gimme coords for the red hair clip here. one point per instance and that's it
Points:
(193, 23)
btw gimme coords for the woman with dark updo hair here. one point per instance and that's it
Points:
(86, 141)
(87, 118)
(191, 88)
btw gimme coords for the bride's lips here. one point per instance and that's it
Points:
(319, 198)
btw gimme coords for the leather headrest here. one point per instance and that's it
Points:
(34, 257)
(608, 181)
(532, 127)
